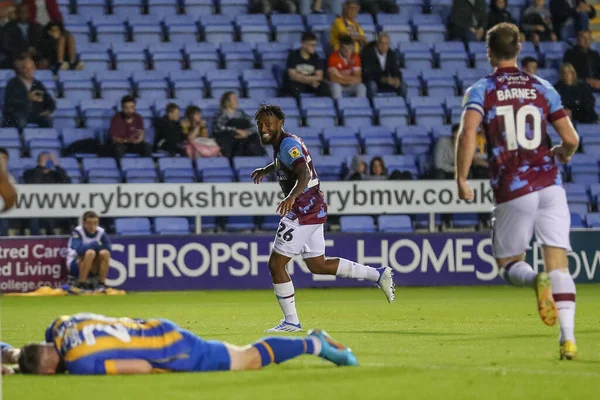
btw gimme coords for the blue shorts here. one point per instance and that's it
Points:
(207, 355)
(74, 268)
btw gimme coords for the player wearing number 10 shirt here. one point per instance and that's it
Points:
(303, 215)
(514, 108)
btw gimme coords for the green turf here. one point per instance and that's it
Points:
(442, 343)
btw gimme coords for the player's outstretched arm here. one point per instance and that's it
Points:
(303, 173)
(466, 143)
(570, 140)
(259, 173)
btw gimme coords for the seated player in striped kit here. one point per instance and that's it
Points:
(92, 344)
(89, 252)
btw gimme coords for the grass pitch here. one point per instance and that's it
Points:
(432, 343)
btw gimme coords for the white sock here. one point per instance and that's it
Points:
(287, 302)
(518, 273)
(563, 290)
(350, 269)
(318, 346)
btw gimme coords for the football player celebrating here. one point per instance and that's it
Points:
(303, 214)
(514, 108)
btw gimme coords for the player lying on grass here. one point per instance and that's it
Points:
(10, 356)
(91, 344)
(303, 216)
(514, 108)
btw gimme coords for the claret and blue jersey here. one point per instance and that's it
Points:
(91, 343)
(310, 207)
(516, 108)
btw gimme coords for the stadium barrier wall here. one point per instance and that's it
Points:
(225, 199)
(240, 261)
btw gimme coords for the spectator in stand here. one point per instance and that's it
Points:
(570, 17)
(4, 14)
(26, 100)
(59, 49)
(529, 65)
(377, 170)
(234, 130)
(46, 172)
(380, 69)
(333, 6)
(20, 36)
(4, 156)
(586, 61)
(345, 74)
(498, 14)
(467, 20)
(536, 23)
(444, 157)
(198, 144)
(375, 7)
(305, 69)
(88, 254)
(127, 131)
(346, 25)
(358, 169)
(576, 96)
(169, 134)
(43, 11)
(268, 6)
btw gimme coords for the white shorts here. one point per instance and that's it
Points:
(292, 239)
(544, 212)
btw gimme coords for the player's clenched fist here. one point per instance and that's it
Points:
(464, 191)
(258, 174)
(285, 206)
(561, 154)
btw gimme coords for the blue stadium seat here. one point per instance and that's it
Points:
(319, 111)
(164, 8)
(70, 135)
(430, 28)
(273, 54)
(440, 83)
(584, 168)
(259, 83)
(549, 74)
(427, 110)
(378, 140)
(132, 226)
(175, 166)
(290, 108)
(320, 25)
(242, 223)
(467, 77)
(171, 226)
(109, 29)
(416, 56)
(181, 29)
(356, 111)
(130, 56)
(197, 8)
(213, 175)
(126, 8)
(238, 56)
(414, 141)
(468, 220)
(104, 176)
(368, 25)
(397, 26)
(270, 223)
(553, 53)
(98, 112)
(329, 168)
(90, 8)
(77, 85)
(452, 55)
(576, 193)
(593, 220)
(202, 56)
(401, 163)
(288, 27)
(250, 162)
(218, 28)
(576, 220)
(41, 138)
(595, 192)
(151, 84)
(95, 56)
(99, 164)
(392, 111)
(357, 224)
(410, 7)
(254, 28)
(9, 138)
(146, 29)
(207, 223)
(234, 7)
(395, 223)
(589, 138)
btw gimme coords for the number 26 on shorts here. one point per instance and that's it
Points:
(287, 235)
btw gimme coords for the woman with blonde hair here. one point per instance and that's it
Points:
(576, 96)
